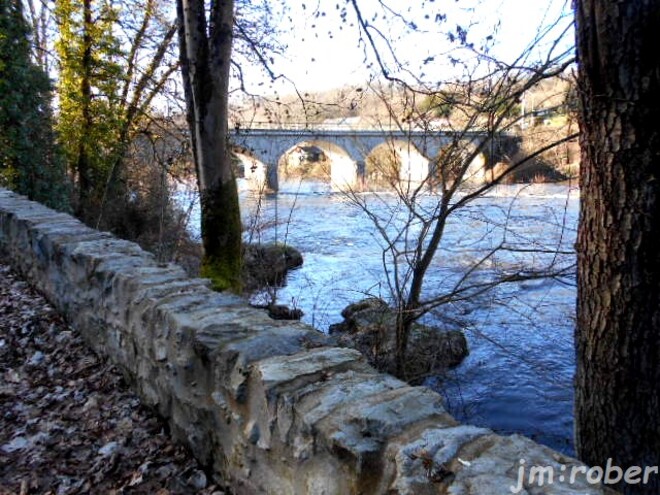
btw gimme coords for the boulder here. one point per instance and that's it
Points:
(370, 327)
(266, 265)
(283, 312)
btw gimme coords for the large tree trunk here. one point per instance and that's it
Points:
(205, 61)
(617, 411)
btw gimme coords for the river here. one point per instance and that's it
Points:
(519, 375)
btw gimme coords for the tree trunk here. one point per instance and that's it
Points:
(617, 410)
(205, 61)
(83, 165)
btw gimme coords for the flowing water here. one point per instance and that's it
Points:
(518, 377)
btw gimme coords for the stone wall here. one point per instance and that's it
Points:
(271, 407)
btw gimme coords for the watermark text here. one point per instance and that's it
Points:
(595, 475)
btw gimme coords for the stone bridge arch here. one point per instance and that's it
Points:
(248, 165)
(451, 159)
(321, 160)
(395, 161)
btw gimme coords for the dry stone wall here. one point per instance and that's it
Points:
(271, 407)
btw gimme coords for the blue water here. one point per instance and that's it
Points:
(518, 377)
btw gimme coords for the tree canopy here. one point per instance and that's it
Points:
(30, 162)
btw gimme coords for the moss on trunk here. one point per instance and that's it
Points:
(221, 237)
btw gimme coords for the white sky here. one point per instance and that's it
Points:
(325, 52)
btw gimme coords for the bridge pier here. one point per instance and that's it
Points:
(272, 178)
(260, 176)
(343, 173)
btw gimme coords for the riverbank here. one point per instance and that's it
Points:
(69, 423)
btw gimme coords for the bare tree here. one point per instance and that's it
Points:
(477, 107)
(40, 18)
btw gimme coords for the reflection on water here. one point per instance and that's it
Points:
(518, 377)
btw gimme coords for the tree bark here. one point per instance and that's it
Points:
(205, 61)
(617, 409)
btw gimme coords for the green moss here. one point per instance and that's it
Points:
(222, 273)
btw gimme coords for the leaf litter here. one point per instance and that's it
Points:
(69, 424)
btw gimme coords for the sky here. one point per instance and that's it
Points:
(326, 49)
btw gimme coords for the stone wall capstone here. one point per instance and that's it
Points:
(271, 407)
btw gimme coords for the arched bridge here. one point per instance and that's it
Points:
(348, 157)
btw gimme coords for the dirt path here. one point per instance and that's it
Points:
(68, 422)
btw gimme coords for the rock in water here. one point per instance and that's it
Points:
(282, 312)
(266, 265)
(370, 327)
